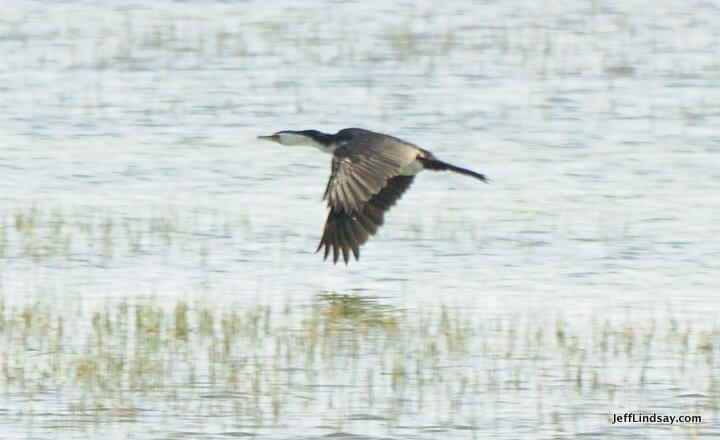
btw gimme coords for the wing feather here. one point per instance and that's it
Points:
(362, 167)
(364, 183)
(345, 232)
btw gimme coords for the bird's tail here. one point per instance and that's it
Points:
(438, 165)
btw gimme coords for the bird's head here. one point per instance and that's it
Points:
(311, 138)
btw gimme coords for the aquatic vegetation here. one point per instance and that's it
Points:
(347, 359)
(49, 234)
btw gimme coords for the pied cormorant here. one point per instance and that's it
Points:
(370, 171)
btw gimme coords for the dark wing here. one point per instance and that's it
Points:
(347, 231)
(359, 173)
(364, 183)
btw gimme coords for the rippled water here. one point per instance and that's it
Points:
(131, 173)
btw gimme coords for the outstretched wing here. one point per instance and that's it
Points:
(363, 184)
(360, 170)
(345, 231)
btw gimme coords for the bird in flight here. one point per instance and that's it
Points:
(370, 171)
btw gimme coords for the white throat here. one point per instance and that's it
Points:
(292, 139)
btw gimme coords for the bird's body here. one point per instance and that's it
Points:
(370, 171)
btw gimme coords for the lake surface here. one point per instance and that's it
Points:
(157, 274)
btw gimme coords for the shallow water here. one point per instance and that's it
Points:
(131, 174)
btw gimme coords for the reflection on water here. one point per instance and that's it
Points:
(156, 262)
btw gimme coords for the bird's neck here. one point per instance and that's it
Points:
(323, 142)
(327, 145)
(327, 148)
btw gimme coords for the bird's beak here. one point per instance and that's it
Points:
(271, 138)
